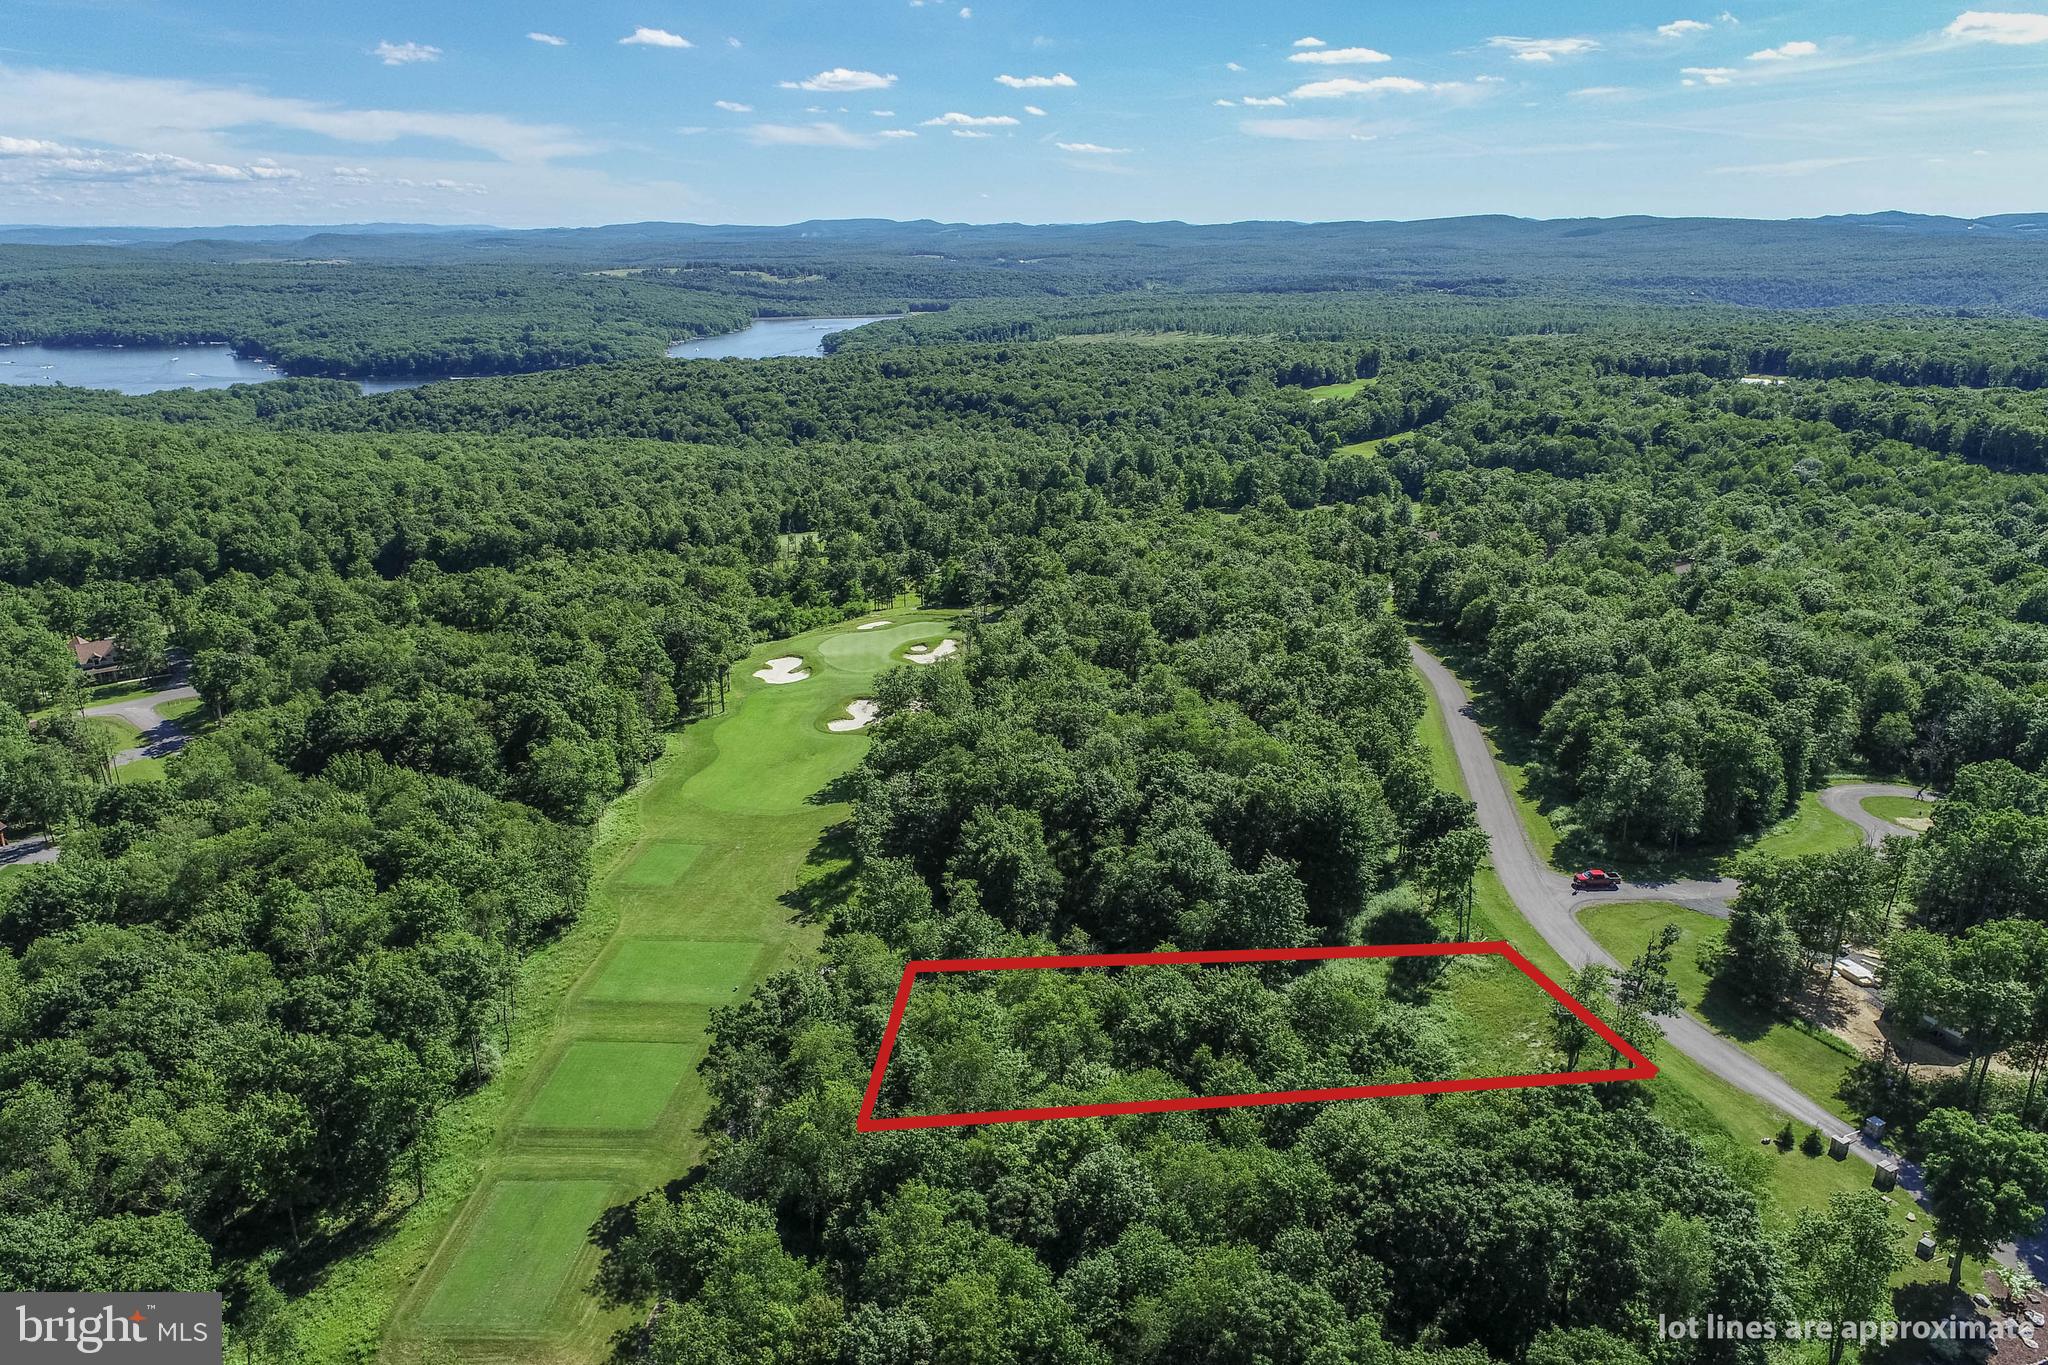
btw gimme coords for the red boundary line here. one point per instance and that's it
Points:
(866, 1122)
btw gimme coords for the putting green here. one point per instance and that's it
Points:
(609, 1084)
(675, 971)
(732, 848)
(517, 1257)
(662, 862)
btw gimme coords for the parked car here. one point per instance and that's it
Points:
(1593, 879)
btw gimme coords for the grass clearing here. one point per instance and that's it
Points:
(1899, 809)
(141, 770)
(120, 734)
(1350, 388)
(1811, 829)
(604, 1083)
(187, 714)
(674, 971)
(708, 877)
(524, 1245)
(1812, 1058)
(662, 863)
(1368, 447)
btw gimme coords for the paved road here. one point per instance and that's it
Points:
(36, 849)
(1544, 897)
(160, 738)
(1710, 896)
(1846, 800)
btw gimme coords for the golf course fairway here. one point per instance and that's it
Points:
(730, 823)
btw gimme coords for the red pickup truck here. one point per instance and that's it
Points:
(1593, 879)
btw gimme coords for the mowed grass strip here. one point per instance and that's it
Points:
(660, 862)
(600, 1084)
(517, 1258)
(731, 827)
(674, 971)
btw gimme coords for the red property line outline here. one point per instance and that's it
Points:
(1642, 1067)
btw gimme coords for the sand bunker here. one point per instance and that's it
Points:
(1921, 823)
(787, 669)
(920, 655)
(871, 625)
(860, 714)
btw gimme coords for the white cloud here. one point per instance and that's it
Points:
(1542, 49)
(1351, 85)
(550, 39)
(1225, 104)
(1310, 42)
(1342, 56)
(1308, 129)
(897, 132)
(403, 54)
(1265, 102)
(1600, 92)
(1232, 66)
(38, 159)
(732, 42)
(1679, 28)
(1785, 52)
(1034, 111)
(970, 132)
(732, 106)
(954, 120)
(137, 110)
(445, 185)
(1707, 75)
(842, 78)
(1036, 82)
(353, 175)
(1091, 148)
(1996, 26)
(821, 134)
(654, 37)
(883, 113)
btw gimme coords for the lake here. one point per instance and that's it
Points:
(769, 337)
(131, 369)
(147, 369)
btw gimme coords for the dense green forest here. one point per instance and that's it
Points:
(435, 632)
(338, 318)
(395, 303)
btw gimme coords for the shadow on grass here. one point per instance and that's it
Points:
(840, 790)
(828, 876)
(1727, 1013)
(303, 1267)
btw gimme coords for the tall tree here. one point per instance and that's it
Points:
(1842, 1261)
(1987, 1181)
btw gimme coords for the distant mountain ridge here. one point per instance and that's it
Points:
(899, 232)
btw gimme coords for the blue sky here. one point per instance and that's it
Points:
(168, 111)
